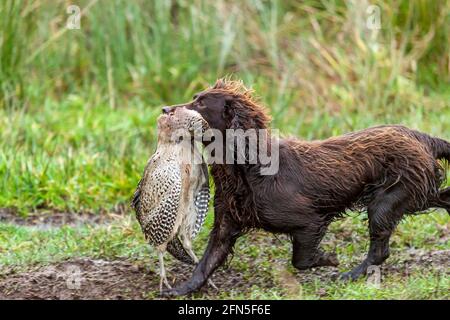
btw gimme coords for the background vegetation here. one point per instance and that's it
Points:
(78, 107)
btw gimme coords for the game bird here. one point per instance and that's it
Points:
(171, 200)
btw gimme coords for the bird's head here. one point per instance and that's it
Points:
(179, 123)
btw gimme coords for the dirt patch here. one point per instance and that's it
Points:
(102, 279)
(124, 279)
(121, 279)
(413, 261)
(416, 260)
(52, 219)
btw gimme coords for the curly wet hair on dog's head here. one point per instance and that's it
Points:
(229, 104)
(244, 109)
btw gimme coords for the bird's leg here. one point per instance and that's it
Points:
(162, 272)
(188, 247)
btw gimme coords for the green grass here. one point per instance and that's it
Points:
(78, 107)
(73, 156)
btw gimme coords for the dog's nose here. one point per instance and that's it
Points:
(166, 109)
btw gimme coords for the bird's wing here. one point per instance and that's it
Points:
(201, 200)
(135, 201)
(158, 201)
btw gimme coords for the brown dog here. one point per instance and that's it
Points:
(390, 170)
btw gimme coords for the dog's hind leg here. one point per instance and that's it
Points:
(306, 253)
(384, 212)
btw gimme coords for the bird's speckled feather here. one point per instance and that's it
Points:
(171, 200)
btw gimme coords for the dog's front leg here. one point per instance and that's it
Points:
(221, 241)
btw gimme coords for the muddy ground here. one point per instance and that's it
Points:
(86, 278)
(120, 279)
(101, 279)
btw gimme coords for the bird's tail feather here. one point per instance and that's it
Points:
(176, 249)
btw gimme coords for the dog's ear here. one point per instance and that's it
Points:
(234, 116)
(229, 102)
(228, 107)
(233, 112)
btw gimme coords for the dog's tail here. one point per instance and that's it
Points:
(439, 147)
(441, 150)
(443, 201)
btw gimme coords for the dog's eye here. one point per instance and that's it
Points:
(202, 104)
(199, 104)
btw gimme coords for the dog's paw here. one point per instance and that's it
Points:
(177, 291)
(327, 260)
(355, 273)
(346, 276)
(351, 275)
(168, 293)
(330, 259)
